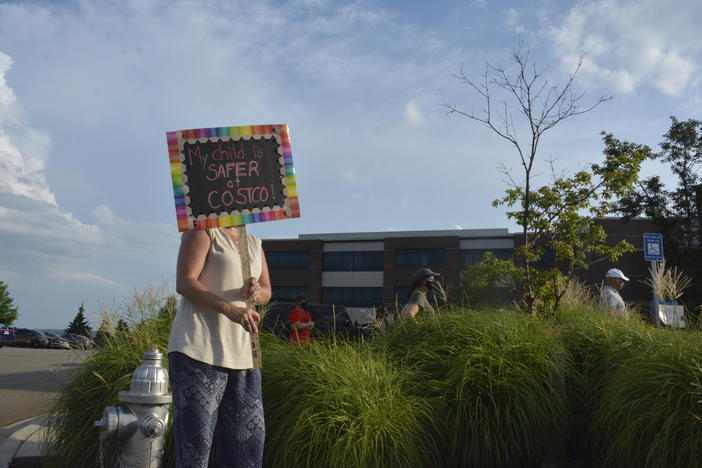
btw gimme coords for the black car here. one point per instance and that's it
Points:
(328, 319)
(29, 337)
(7, 336)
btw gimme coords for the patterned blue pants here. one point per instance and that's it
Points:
(211, 402)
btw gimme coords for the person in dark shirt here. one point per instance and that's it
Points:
(423, 281)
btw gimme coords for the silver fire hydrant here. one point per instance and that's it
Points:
(140, 426)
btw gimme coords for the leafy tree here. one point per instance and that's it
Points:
(551, 216)
(682, 150)
(487, 282)
(8, 311)
(675, 211)
(562, 219)
(79, 325)
(649, 199)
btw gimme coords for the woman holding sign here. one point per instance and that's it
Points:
(216, 391)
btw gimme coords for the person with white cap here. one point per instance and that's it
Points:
(424, 280)
(610, 297)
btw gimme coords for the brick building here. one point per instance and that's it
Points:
(369, 268)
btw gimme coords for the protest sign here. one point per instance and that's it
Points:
(232, 176)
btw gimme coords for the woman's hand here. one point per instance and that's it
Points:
(247, 318)
(251, 289)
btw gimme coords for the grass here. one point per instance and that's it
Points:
(496, 383)
(332, 405)
(467, 388)
(648, 410)
(72, 440)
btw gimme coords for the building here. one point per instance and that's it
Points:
(370, 268)
(366, 269)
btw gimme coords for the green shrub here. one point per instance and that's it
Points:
(648, 412)
(489, 388)
(496, 383)
(338, 405)
(72, 439)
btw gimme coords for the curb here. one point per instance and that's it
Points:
(24, 441)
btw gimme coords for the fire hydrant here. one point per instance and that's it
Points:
(140, 426)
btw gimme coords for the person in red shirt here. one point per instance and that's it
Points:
(301, 323)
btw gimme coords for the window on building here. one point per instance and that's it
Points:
(288, 259)
(547, 260)
(353, 297)
(420, 257)
(354, 261)
(287, 293)
(468, 257)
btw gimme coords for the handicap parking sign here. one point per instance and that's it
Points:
(653, 247)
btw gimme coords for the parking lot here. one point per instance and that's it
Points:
(31, 378)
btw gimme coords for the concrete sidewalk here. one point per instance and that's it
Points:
(21, 447)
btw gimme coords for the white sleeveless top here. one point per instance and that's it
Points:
(209, 336)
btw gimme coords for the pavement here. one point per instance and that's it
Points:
(21, 443)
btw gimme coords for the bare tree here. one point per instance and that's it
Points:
(539, 105)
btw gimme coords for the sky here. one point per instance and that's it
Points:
(88, 90)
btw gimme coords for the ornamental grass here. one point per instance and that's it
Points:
(496, 382)
(71, 439)
(462, 389)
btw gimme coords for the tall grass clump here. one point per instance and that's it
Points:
(72, 439)
(649, 411)
(598, 345)
(495, 382)
(339, 405)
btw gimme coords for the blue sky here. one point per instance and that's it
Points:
(89, 88)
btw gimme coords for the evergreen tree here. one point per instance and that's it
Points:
(122, 326)
(104, 332)
(8, 311)
(79, 325)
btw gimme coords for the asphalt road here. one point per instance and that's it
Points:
(31, 378)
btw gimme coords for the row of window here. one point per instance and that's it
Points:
(374, 260)
(353, 297)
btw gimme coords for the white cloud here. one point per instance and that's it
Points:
(413, 113)
(20, 175)
(48, 250)
(512, 17)
(85, 277)
(105, 215)
(628, 44)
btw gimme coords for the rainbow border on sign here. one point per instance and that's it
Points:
(186, 222)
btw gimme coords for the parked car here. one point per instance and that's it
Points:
(7, 336)
(56, 341)
(78, 341)
(29, 337)
(328, 319)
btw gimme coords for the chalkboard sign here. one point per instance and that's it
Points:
(230, 176)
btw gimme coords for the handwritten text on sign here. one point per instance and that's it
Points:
(233, 175)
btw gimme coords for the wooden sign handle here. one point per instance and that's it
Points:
(246, 274)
